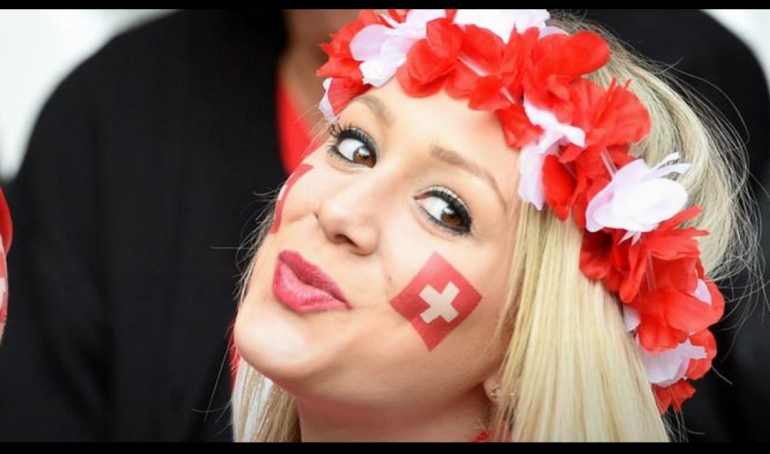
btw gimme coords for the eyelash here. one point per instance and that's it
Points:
(339, 133)
(456, 204)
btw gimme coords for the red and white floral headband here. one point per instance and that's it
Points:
(574, 137)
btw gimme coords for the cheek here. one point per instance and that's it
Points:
(436, 301)
(284, 194)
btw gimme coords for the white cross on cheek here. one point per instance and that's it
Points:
(440, 303)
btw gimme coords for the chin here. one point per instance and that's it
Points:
(279, 345)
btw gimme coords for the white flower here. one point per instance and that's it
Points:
(631, 318)
(501, 22)
(325, 105)
(530, 177)
(638, 198)
(665, 369)
(382, 50)
(532, 156)
(702, 292)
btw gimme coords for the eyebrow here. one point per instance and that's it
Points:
(454, 158)
(445, 155)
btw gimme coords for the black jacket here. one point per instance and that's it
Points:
(140, 183)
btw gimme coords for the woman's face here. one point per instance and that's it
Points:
(381, 281)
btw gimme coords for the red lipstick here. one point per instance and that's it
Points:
(304, 287)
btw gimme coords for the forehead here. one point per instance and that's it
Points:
(441, 113)
(442, 121)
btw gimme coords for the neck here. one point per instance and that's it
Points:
(461, 421)
(307, 29)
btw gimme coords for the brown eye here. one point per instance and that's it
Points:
(355, 146)
(449, 217)
(362, 156)
(446, 210)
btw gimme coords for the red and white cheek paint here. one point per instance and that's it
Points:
(284, 193)
(436, 301)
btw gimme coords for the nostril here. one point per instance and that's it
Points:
(342, 239)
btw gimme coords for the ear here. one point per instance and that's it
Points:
(492, 386)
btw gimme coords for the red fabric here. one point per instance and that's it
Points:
(6, 233)
(294, 141)
(483, 437)
(294, 137)
(6, 229)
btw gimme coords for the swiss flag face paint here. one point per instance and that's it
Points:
(437, 300)
(283, 194)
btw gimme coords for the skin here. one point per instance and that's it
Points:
(365, 374)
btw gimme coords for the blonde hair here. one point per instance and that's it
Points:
(571, 372)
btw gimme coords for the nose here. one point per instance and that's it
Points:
(348, 217)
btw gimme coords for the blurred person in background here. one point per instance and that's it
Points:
(137, 189)
(146, 171)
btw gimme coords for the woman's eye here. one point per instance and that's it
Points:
(446, 210)
(356, 152)
(353, 145)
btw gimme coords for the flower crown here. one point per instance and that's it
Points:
(575, 138)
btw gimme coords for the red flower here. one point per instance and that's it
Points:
(558, 60)
(477, 76)
(491, 71)
(658, 277)
(429, 61)
(517, 128)
(667, 313)
(655, 335)
(668, 242)
(341, 63)
(674, 395)
(559, 186)
(699, 367)
(611, 118)
(596, 255)
(568, 188)
(342, 91)
(687, 313)
(671, 309)
(517, 60)
(624, 264)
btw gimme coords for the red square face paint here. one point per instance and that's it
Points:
(301, 170)
(436, 301)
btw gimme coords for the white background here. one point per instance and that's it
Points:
(39, 47)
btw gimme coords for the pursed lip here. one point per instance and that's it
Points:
(304, 287)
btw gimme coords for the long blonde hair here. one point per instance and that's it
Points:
(571, 372)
